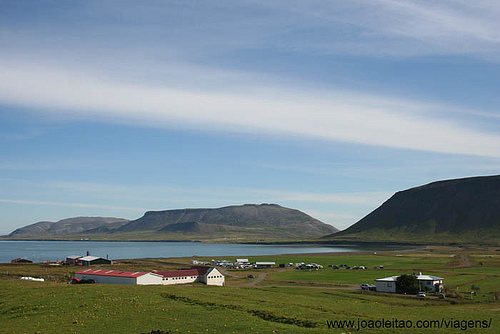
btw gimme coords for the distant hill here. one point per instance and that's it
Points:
(460, 210)
(69, 226)
(247, 222)
(265, 221)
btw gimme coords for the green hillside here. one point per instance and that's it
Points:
(460, 210)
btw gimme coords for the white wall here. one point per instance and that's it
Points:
(179, 280)
(385, 286)
(149, 279)
(214, 277)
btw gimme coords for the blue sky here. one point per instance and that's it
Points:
(113, 108)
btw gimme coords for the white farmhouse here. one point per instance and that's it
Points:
(120, 277)
(432, 283)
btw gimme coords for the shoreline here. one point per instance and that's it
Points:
(344, 243)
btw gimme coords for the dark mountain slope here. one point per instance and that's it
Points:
(447, 208)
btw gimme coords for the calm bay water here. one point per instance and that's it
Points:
(39, 251)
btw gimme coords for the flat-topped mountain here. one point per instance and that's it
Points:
(268, 221)
(232, 223)
(69, 226)
(454, 210)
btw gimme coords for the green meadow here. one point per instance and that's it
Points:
(279, 300)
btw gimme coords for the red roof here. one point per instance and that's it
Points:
(184, 272)
(115, 273)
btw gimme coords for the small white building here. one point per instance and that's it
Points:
(242, 261)
(105, 276)
(213, 277)
(432, 283)
(264, 265)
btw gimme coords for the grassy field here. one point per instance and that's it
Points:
(280, 300)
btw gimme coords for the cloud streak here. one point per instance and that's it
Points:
(339, 116)
(64, 204)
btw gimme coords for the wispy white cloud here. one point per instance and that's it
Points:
(64, 204)
(395, 27)
(341, 116)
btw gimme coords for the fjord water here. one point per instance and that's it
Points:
(40, 251)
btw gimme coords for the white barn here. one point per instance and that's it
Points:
(178, 276)
(432, 283)
(209, 276)
(120, 277)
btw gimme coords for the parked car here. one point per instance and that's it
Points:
(421, 294)
(370, 287)
(250, 276)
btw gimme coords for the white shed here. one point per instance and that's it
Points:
(242, 261)
(263, 265)
(119, 277)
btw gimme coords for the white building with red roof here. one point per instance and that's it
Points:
(209, 276)
(120, 277)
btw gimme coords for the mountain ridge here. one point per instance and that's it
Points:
(68, 226)
(460, 209)
(238, 222)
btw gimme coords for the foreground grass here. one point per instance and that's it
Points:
(52, 307)
(286, 301)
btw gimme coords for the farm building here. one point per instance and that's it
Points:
(432, 283)
(209, 276)
(179, 276)
(89, 260)
(212, 276)
(119, 277)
